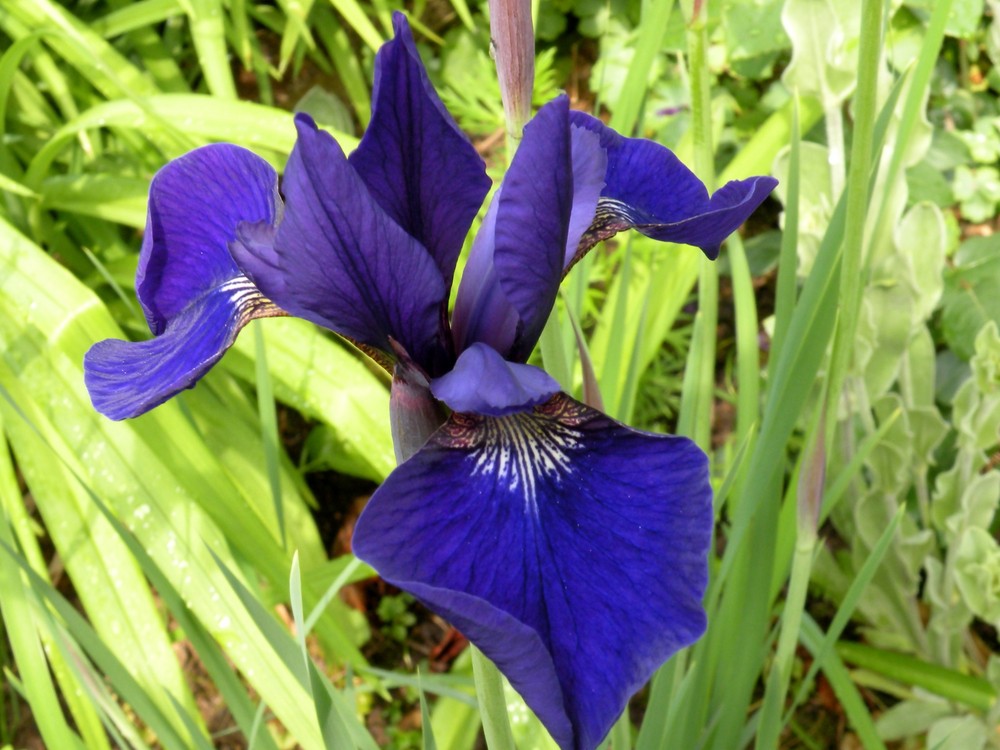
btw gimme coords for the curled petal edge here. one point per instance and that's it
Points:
(126, 379)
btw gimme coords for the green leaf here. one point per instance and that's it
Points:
(154, 471)
(885, 324)
(753, 28)
(107, 580)
(824, 36)
(815, 198)
(971, 293)
(977, 572)
(921, 241)
(971, 691)
(103, 196)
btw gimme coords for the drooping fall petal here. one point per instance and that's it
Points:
(569, 548)
(194, 296)
(649, 189)
(128, 378)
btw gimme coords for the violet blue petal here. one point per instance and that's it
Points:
(482, 311)
(568, 547)
(513, 274)
(128, 378)
(649, 189)
(482, 382)
(536, 200)
(590, 164)
(416, 162)
(339, 260)
(195, 204)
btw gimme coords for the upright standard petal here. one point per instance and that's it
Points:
(569, 548)
(196, 203)
(128, 378)
(339, 260)
(649, 189)
(517, 259)
(590, 164)
(414, 159)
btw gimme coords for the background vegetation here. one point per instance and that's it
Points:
(184, 580)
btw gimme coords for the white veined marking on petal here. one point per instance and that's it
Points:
(522, 448)
(246, 298)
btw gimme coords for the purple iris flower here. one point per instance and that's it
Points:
(571, 549)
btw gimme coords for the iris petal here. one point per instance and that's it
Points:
(195, 204)
(483, 383)
(590, 164)
(649, 189)
(128, 378)
(340, 261)
(513, 274)
(569, 548)
(416, 162)
(536, 200)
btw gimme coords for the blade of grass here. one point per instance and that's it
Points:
(20, 627)
(269, 433)
(627, 110)
(81, 48)
(336, 721)
(208, 33)
(809, 496)
(912, 110)
(117, 673)
(785, 292)
(970, 691)
(161, 482)
(747, 342)
(492, 702)
(823, 646)
(426, 730)
(335, 38)
(108, 583)
(356, 19)
(135, 15)
(695, 418)
(843, 687)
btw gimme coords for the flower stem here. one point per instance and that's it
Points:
(492, 702)
(699, 377)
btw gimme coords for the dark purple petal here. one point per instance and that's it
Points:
(536, 199)
(649, 189)
(338, 260)
(482, 311)
(483, 383)
(571, 549)
(590, 164)
(128, 378)
(516, 262)
(415, 161)
(196, 203)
